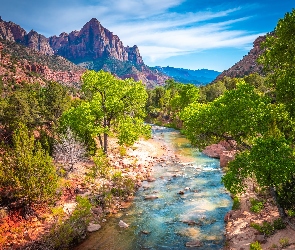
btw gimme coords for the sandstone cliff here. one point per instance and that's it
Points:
(21, 64)
(93, 47)
(248, 64)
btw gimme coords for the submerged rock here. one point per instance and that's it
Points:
(195, 243)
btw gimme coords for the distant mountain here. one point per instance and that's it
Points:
(198, 77)
(248, 64)
(93, 47)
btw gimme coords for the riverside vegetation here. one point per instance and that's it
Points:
(257, 112)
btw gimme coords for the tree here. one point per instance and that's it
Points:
(110, 103)
(238, 114)
(278, 60)
(263, 131)
(69, 150)
(27, 172)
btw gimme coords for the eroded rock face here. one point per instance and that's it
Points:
(225, 151)
(90, 47)
(248, 65)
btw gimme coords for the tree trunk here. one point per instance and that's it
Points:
(105, 136)
(100, 141)
(105, 142)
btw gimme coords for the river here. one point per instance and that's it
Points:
(190, 207)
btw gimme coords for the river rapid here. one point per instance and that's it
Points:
(189, 206)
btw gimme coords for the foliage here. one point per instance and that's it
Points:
(165, 103)
(279, 224)
(278, 60)
(256, 205)
(236, 203)
(284, 242)
(239, 114)
(255, 246)
(102, 166)
(112, 106)
(26, 170)
(266, 228)
(65, 234)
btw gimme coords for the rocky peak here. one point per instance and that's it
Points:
(248, 64)
(39, 43)
(12, 32)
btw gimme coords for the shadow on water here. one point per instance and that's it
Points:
(191, 204)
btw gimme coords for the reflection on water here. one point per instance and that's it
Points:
(173, 219)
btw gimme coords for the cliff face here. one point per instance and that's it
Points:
(93, 47)
(14, 33)
(21, 64)
(248, 64)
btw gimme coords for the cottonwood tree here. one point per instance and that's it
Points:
(111, 104)
(69, 150)
(261, 129)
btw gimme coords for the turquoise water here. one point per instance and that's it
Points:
(173, 219)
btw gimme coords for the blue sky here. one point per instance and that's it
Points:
(193, 34)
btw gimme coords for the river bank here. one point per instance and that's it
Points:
(239, 222)
(134, 165)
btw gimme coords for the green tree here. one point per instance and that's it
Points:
(278, 60)
(26, 170)
(111, 104)
(238, 115)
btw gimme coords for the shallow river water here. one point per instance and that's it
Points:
(173, 219)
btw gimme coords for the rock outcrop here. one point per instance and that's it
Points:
(20, 64)
(225, 151)
(248, 65)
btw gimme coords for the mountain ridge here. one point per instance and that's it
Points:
(94, 46)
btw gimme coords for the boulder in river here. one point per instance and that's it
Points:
(194, 243)
(151, 197)
(123, 224)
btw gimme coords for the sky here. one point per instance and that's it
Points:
(191, 34)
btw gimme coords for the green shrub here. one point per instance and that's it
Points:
(64, 234)
(266, 228)
(291, 213)
(256, 205)
(284, 242)
(255, 246)
(279, 224)
(236, 203)
(27, 170)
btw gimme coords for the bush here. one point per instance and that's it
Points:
(65, 233)
(279, 224)
(27, 171)
(266, 228)
(256, 205)
(236, 203)
(255, 246)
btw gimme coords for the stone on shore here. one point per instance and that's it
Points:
(92, 227)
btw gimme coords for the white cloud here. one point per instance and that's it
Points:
(150, 24)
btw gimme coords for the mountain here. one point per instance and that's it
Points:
(21, 64)
(198, 77)
(93, 47)
(248, 64)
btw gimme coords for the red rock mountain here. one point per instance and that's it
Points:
(93, 47)
(248, 64)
